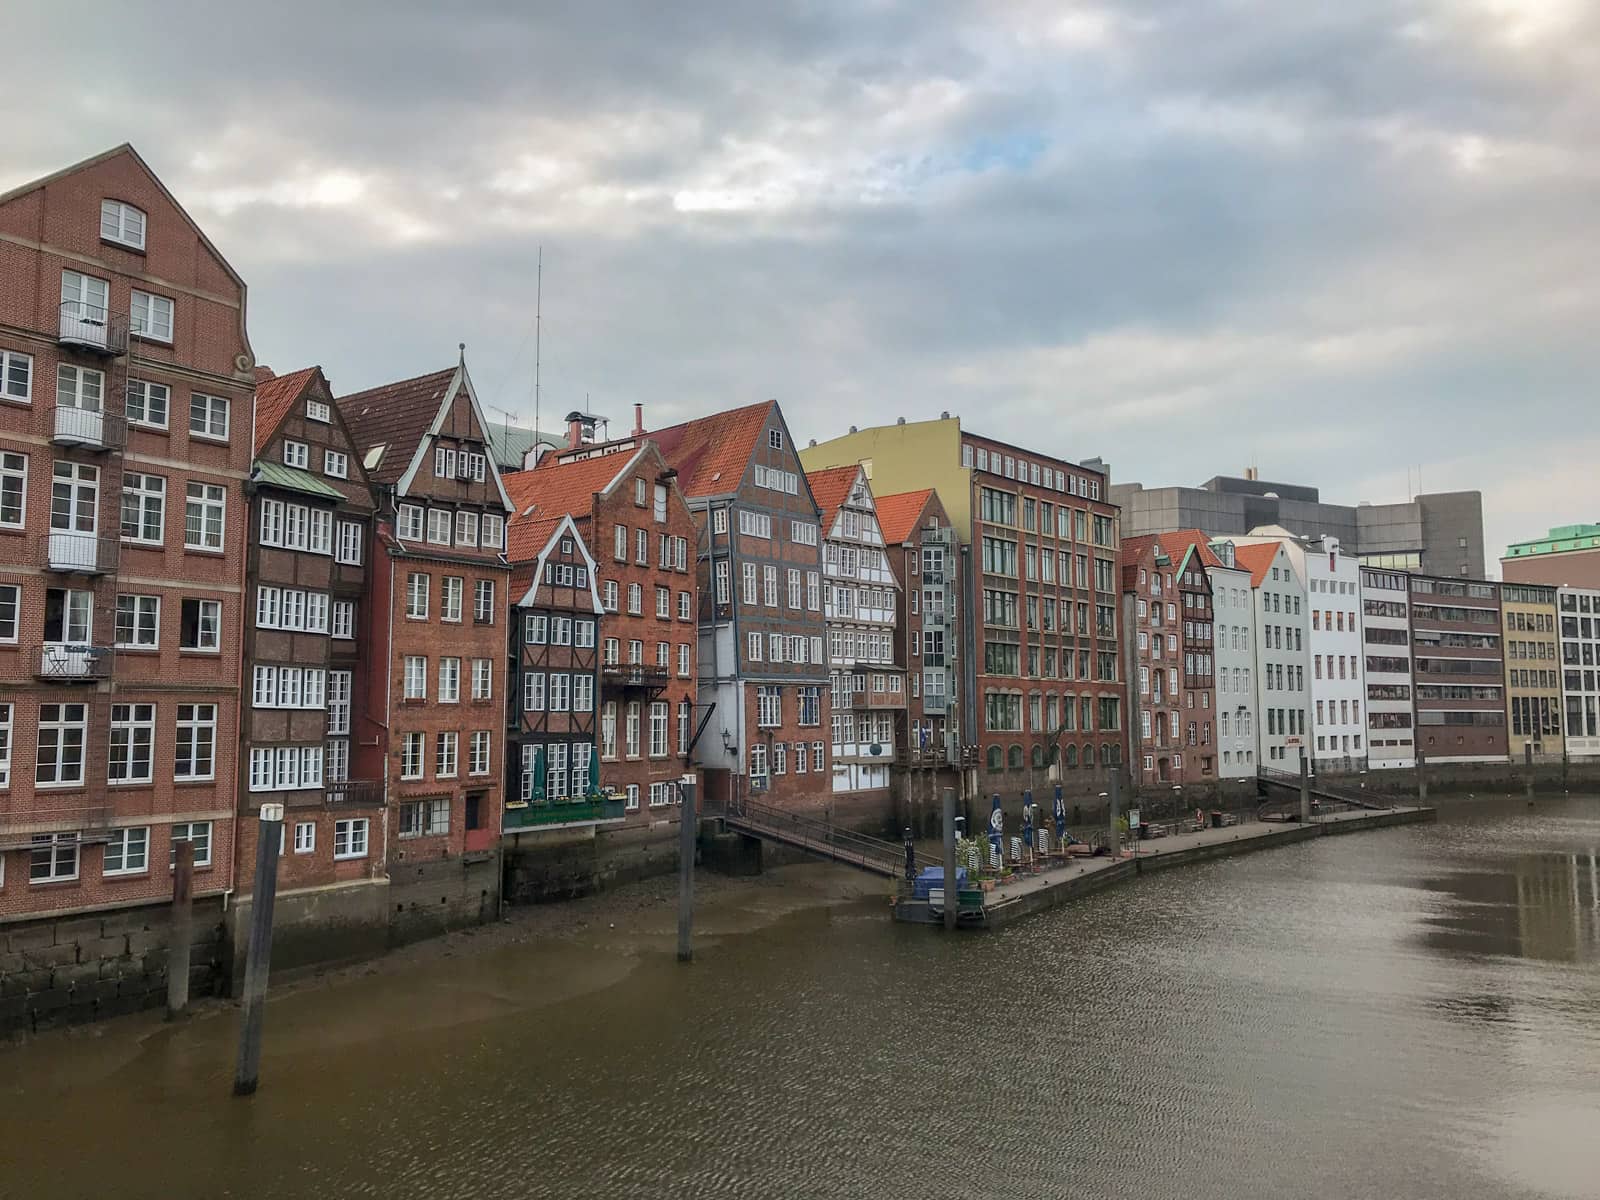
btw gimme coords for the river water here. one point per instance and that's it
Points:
(1408, 1013)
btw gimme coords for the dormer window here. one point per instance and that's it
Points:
(121, 224)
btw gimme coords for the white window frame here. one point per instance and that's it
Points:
(211, 406)
(121, 844)
(155, 322)
(296, 454)
(352, 834)
(335, 464)
(141, 605)
(349, 546)
(147, 391)
(211, 505)
(127, 224)
(197, 722)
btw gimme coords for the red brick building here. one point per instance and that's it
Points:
(435, 636)
(921, 546)
(626, 507)
(762, 679)
(1168, 622)
(310, 544)
(125, 406)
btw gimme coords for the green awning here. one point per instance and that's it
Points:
(278, 475)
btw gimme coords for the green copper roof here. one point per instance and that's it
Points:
(1561, 538)
(293, 478)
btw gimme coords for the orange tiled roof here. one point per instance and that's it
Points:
(1196, 538)
(397, 414)
(897, 514)
(275, 396)
(830, 487)
(1132, 550)
(710, 454)
(1256, 559)
(551, 491)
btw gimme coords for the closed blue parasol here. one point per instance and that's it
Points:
(1061, 817)
(997, 826)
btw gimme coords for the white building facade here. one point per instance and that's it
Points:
(1578, 621)
(1386, 663)
(1283, 692)
(1233, 604)
(860, 598)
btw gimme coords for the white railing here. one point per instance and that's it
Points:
(80, 425)
(69, 551)
(59, 660)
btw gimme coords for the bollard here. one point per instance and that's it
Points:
(181, 933)
(1115, 805)
(952, 893)
(686, 835)
(258, 957)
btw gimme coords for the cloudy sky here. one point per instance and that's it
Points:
(1339, 241)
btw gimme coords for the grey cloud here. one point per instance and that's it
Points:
(1173, 232)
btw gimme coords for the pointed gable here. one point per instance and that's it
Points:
(1257, 559)
(395, 426)
(899, 514)
(549, 492)
(830, 488)
(275, 396)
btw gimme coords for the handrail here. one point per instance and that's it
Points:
(761, 817)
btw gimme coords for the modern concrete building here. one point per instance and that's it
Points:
(1567, 556)
(1533, 673)
(1441, 533)
(1040, 543)
(1386, 663)
(1235, 643)
(1459, 669)
(1332, 582)
(1580, 668)
(1283, 693)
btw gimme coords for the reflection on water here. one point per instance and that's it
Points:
(1413, 1013)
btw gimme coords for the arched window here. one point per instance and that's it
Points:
(1016, 757)
(1088, 757)
(1038, 755)
(994, 753)
(1072, 755)
(1107, 757)
(1116, 754)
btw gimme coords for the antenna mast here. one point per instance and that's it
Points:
(538, 317)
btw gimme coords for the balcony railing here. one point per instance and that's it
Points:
(353, 793)
(634, 675)
(66, 663)
(88, 428)
(80, 553)
(878, 699)
(92, 327)
(584, 810)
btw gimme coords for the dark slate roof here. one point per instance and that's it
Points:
(395, 416)
(509, 443)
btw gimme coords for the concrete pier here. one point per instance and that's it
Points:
(1029, 894)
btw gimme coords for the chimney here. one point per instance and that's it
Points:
(1251, 473)
(638, 420)
(576, 429)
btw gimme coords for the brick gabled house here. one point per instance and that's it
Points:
(761, 672)
(435, 638)
(923, 553)
(626, 507)
(1167, 611)
(125, 399)
(552, 761)
(308, 554)
(860, 595)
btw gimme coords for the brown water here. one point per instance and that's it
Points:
(1409, 1013)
